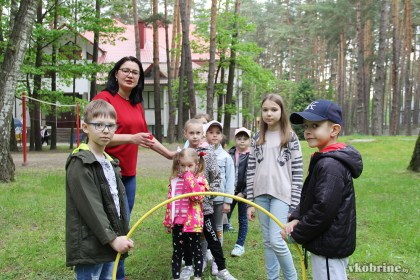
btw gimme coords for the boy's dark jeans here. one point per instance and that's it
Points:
(242, 220)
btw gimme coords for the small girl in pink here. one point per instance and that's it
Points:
(184, 217)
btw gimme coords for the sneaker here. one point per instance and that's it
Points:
(186, 273)
(204, 266)
(225, 275)
(214, 269)
(237, 251)
(228, 228)
(209, 256)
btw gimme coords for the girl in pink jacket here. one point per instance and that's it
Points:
(184, 217)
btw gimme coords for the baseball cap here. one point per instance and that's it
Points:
(212, 123)
(244, 130)
(319, 110)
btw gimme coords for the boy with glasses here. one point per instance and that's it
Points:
(96, 208)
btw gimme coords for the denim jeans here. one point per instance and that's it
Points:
(277, 253)
(242, 221)
(102, 271)
(130, 189)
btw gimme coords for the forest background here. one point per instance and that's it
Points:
(363, 54)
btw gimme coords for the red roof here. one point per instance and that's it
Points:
(124, 45)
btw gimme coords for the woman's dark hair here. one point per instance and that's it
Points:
(136, 95)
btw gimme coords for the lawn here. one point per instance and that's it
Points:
(32, 213)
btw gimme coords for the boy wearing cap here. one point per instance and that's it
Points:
(240, 155)
(325, 220)
(214, 133)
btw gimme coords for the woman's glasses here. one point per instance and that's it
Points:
(101, 126)
(127, 71)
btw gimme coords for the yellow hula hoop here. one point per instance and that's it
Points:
(148, 213)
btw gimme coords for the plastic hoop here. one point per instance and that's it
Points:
(148, 213)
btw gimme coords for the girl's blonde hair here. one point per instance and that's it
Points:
(198, 158)
(203, 116)
(285, 127)
(192, 122)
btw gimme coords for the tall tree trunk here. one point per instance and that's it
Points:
(321, 66)
(341, 70)
(407, 53)
(171, 99)
(396, 94)
(52, 116)
(9, 73)
(361, 121)
(379, 87)
(175, 32)
(95, 48)
(212, 63)
(34, 110)
(181, 119)
(136, 29)
(14, 7)
(415, 159)
(367, 69)
(230, 104)
(156, 74)
(290, 46)
(178, 46)
(416, 111)
(221, 93)
(185, 22)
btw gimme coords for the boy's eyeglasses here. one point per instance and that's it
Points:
(127, 71)
(101, 126)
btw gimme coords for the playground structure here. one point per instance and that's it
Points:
(151, 211)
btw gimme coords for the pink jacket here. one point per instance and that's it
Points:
(194, 220)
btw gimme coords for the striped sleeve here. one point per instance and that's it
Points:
(250, 173)
(297, 171)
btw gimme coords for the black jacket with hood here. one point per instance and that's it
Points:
(327, 209)
(240, 170)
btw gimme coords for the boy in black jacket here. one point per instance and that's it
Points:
(325, 220)
(240, 155)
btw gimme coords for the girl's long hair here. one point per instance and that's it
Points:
(136, 95)
(285, 127)
(188, 153)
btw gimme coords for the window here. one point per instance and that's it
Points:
(149, 101)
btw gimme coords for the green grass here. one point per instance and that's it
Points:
(32, 215)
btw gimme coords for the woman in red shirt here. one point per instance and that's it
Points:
(124, 91)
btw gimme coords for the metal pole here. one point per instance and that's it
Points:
(25, 162)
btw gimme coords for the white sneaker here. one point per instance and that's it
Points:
(214, 269)
(225, 275)
(209, 256)
(237, 251)
(186, 273)
(204, 266)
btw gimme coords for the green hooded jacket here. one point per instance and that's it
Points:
(92, 219)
